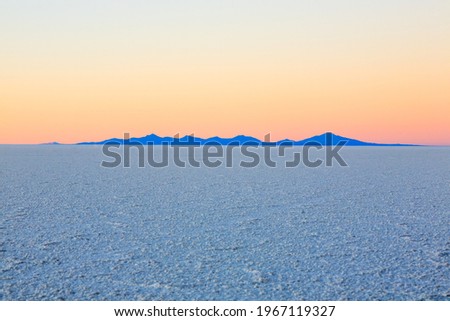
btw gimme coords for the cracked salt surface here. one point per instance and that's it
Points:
(376, 230)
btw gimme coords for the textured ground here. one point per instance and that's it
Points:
(376, 230)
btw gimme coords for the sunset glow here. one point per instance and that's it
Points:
(91, 70)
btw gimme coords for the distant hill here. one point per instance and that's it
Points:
(323, 139)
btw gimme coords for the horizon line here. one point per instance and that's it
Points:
(177, 136)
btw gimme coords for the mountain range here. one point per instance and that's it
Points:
(324, 139)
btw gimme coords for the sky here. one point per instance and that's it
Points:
(73, 71)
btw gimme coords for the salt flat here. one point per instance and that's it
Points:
(378, 229)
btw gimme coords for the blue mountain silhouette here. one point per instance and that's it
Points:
(323, 139)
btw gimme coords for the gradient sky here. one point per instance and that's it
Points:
(89, 70)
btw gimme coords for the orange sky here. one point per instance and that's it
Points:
(375, 72)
